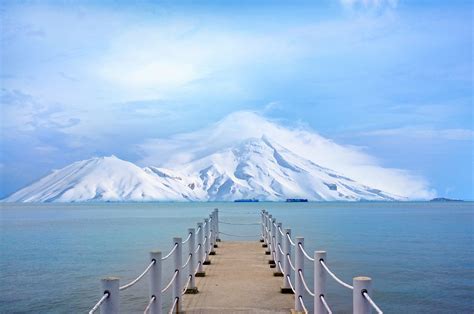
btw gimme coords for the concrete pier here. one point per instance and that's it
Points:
(239, 280)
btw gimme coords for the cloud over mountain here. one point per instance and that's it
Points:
(350, 160)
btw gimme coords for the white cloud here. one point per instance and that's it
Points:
(425, 133)
(349, 160)
(21, 112)
(155, 59)
(368, 4)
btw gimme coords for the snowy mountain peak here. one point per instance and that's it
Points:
(101, 179)
(255, 168)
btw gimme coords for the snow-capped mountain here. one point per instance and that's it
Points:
(256, 168)
(101, 179)
(262, 169)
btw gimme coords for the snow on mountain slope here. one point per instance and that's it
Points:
(256, 168)
(262, 169)
(102, 179)
(188, 185)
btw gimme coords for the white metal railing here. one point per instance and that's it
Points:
(205, 235)
(279, 243)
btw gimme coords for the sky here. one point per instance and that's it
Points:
(391, 80)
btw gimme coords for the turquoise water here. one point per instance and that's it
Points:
(420, 255)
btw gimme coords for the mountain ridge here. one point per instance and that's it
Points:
(257, 168)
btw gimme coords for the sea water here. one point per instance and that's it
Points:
(419, 255)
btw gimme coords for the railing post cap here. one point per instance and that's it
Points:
(110, 278)
(177, 239)
(362, 278)
(318, 255)
(155, 252)
(299, 238)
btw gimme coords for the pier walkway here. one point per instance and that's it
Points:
(211, 276)
(239, 280)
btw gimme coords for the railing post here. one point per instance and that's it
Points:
(192, 289)
(208, 241)
(360, 305)
(213, 234)
(286, 264)
(269, 235)
(278, 262)
(262, 221)
(200, 255)
(178, 262)
(319, 282)
(265, 224)
(111, 305)
(156, 282)
(299, 265)
(273, 244)
(266, 228)
(216, 210)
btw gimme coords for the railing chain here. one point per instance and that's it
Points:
(130, 284)
(171, 282)
(171, 252)
(187, 261)
(186, 285)
(300, 272)
(302, 304)
(289, 260)
(289, 281)
(173, 306)
(305, 254)
(239, 224)
(291, 241)
(323, 300)
(152, 299)
(99, 303)
(342, 283)
(372, 303)
(187, 239)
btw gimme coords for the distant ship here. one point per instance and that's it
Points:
(444, 199)
(296, 200)
(247, 200)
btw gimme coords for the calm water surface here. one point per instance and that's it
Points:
(420, 255)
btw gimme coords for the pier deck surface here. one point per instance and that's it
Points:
(239, 280)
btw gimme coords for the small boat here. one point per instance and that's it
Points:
(296, 200)
(247, 200)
